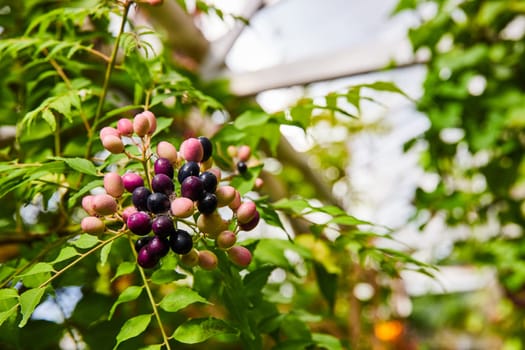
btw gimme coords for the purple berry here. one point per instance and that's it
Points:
(251, 224)
(192, 188)
(209, 180)
(141, 242)
(188, 169)
(163, 166)
(158, 203)
(158, 246)
(163, 226)
(140, 198)
(162, 183)
(139, 223)
(207, 204)
(181, 242)
(132, 181)
(207, 148)
(146, 259)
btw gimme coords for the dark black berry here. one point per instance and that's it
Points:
(207, 204)
(242, 167)
(158, 203)
(188, 169)
(139, 223)
(163, 226)
(141, 242)
(181, 242)
(146, 259)
(162, 183)
(209, 180)
(207, 147)
(158, 246)
(163, 166)
(192, 188)
(140, 198)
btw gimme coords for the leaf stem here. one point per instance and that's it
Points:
(151, 298)
(107, 76)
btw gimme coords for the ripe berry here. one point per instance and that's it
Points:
(168, 151)
(92, 224)
(250, 225)
(163, 226)
(208, 260)
(104, 204)
(146, 259)
(125, 127)
(181, 242)
(127, 211)
(188, 169)
(192, 188)
(240, 256)
(191, 150)
(207, 148)
(139, 223)
(141, 242)
(209, 180)
(140, 198)
(132, 181)
(162, 183)
(113, 184)
(182, 207)
(242, 167)
(113, 144)
(158, 203)
(207, 204)
(158, 246)
(163, 166)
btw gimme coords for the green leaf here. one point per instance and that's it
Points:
(255, 281)
(104, 253)
(297, 206)
(180, 298)
(327, 283)
(302, 112)
(49, 117)
(65, 253)
(245, 182)
(4, 315)
(80, 164)
(132, 328)
(85, 189)
(124, 268)
(387, 86)
(152, 347)
(198, 330)
(129, 294)
(85, 241)
(40, 267)
(8, 293)
(162, 276)
(327, 341)
(28, 302)
(251, 118)
(348, 220)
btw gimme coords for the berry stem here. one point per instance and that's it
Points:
(107, 76)
(150, 297)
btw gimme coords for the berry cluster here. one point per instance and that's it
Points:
(175, 201)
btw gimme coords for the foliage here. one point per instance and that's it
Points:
(64, 77)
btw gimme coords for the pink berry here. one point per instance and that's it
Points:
(141, 125)
(182, 207)
(259, 183)
(92, 224)
(225, 239)
(152, 121)
(236, 202)
(168, 151)
(246, 212)
(125, 127)
(132, 181)
(104, 204)
(113, 184)
(113, 144)
(250, 225)
(244, 153)
(240, 256)
(127, 212)
(225, 194)
(108, 130)
(191, 150)
(87, 204)
(208, 260)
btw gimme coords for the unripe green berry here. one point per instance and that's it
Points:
(182, 207)
(104, 204)
(191, 259)
(208, 260)
(240, 256)
(211, 224)
(113, 144)
(141, 125)
(92, 224)
(246, 212)
(225, 195)
(113, 184)
(225, 239)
